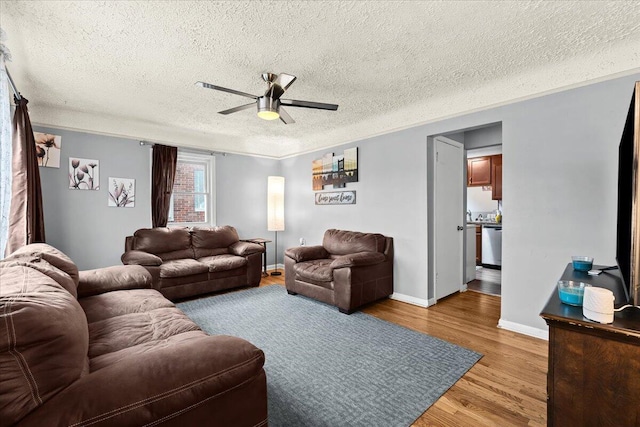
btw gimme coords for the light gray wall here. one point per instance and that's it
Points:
(390, 199)
(241, 197)
(79, 222)
(559, 191)
(483, 137)
(82, 225)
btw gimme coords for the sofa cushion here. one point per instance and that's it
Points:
(209, 241)
(40, 265)
(318, 270)
(182, 267)
(128, 330)
(359, 259)
(134, 257)
(246, 248)
(223, 262)
(141, 350)
(50, 254)
(341, 242)
(306, 253)
(167, 243)
(118, 303)
(43, 340)
(114, 278)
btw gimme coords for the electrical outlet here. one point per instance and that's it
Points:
(302, 241)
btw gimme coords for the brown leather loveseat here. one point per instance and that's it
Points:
(100, 348)
(348, 270)
(187, 262)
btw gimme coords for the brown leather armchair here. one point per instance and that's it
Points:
(349, 270)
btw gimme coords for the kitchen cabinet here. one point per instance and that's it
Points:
(496, 177)
(479, 171)
(479, 245)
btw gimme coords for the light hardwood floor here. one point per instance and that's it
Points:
(488, 281)
(507, 387)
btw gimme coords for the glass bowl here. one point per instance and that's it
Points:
(571, 292)
(582, 263)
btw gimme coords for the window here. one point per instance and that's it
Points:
(191, 201)
(199, 187)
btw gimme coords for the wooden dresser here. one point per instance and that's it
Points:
(594, 369)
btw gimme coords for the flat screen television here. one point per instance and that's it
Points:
(628, 231)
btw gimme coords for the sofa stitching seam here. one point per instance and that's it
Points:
(158, 396)
(195, 405)
(20, 359)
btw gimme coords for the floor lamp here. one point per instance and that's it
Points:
(275, 211)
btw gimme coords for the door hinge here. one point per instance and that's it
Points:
(437, 156)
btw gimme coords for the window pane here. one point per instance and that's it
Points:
(170, 219)
(198, 184)
(184, 208)
(185, 181)
(190, 201)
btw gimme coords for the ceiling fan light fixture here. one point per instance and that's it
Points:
(268, 115)
(268, 108)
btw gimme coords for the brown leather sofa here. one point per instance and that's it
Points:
(100, 348)
(187, 262)
(348, 270)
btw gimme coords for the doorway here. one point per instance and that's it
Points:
(484, 209)
(448, 221)
(476, 275)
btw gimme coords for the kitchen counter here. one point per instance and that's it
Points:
(487, 223)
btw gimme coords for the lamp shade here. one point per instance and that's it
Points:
(275, 203)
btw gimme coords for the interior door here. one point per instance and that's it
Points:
(449, 215)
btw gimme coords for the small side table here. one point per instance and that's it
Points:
(263, 242)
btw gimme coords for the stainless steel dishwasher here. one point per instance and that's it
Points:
(492, 244)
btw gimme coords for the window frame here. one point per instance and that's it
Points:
(210, 216)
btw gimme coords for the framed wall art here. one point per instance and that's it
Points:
(48, 147)
(336, 171)
(84, 174)
(122, 192)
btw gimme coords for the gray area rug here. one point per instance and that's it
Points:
(325, 368)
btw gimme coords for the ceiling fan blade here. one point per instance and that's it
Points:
(239, 108)
(275, 91)
(308, 104)
(285, 80)
(224, 89)
(285, 117)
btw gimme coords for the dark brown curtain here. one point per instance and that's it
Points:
(26, 215)
(163, 173)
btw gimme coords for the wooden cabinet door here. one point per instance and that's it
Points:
(478, 244)
(496, 177)
(479, 171)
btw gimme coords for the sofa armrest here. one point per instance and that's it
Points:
(245, 248)
(162, 384)
(306, 253)
(135, 257)
(119, 277)
(358, 259)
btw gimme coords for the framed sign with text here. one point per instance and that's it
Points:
(336, 198)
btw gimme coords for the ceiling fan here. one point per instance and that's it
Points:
(270, 104)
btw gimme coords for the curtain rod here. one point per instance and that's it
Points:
(13, 85)
(191, 150)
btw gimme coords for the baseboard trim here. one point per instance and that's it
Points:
(273, 267)
(524, 329)
(412, 300)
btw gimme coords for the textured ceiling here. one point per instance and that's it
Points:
(128, 68)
